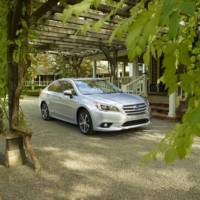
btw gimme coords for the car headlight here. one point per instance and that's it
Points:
(146, 101)
(104, 107)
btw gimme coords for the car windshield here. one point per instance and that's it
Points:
(94, 86)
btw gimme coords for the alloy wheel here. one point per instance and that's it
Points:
(45, 111)
(85, 123)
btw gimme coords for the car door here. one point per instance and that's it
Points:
(68, 104)
(54, 95)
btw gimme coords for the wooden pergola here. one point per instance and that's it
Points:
(68, 38)
(56, 37)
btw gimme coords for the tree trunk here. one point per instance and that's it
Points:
(16, 78)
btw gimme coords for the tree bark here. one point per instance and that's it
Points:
(112, 60)
(75, 62)
(17, 72)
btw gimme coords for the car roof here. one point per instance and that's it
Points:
(79, 79)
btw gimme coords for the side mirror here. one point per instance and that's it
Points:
(68, 93)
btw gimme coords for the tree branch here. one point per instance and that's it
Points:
(16, 16)
(42, 10)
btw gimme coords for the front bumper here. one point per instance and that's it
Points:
(119, 121)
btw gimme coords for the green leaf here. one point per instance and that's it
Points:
(169, 63)
(170, 155)
(153, 51)
(146, 57)
(173, 24)
(167, 9)
(184, 57)
(181, 151)
(67, 13)
(96, 3)
(134, 34)
(188, 7)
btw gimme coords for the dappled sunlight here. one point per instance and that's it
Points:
(84, 161)
(52, 149)
(156, 136)
(83, 191)
(196, 143)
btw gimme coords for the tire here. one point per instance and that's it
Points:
(45, 111)
(85, 122)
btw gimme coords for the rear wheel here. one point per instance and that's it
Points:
(45, 111)
(85, 122)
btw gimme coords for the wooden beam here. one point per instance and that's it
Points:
(79, 21)
(73, 32)
(53, 42)
(64, 50)
(70, 41)
(80, 39)
(69, 26)
(42, 10)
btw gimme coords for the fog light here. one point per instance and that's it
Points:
(106, 125)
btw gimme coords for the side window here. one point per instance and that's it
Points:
(67, 86)
(55, 87)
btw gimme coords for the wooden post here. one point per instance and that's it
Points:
(1, 120)
(172, 105)
(145, 86)
(124, 69)
(32, 84)
(94, 69)
(39, 80)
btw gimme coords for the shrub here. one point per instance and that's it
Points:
(31, 92)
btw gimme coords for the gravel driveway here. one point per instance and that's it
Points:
(105, 166)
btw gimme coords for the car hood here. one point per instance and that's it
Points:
(117, 98)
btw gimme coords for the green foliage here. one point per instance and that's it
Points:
(3, 47)
(34, 93)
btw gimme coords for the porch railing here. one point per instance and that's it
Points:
(37, 83)
(120, 80)
(137, 86)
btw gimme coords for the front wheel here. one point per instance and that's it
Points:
(85, 122)
(45, 111)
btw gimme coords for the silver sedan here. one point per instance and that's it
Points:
(93, 104)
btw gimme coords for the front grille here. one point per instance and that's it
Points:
(135, 109)
(135, 122)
